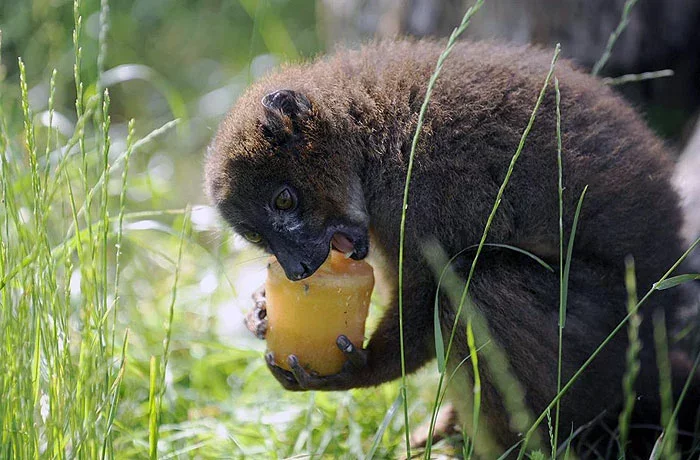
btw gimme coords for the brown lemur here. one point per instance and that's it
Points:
(314, 157)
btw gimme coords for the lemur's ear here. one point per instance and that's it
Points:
(284, 110)
(290, 103)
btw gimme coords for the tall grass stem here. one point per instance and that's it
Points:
(452, 41)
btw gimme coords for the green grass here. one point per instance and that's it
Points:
(120, 324)
(632, 357)
(121, 329)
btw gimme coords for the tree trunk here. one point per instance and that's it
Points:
(661, 34)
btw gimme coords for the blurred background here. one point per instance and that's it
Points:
(190, 60)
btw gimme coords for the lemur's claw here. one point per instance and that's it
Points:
(357, 358)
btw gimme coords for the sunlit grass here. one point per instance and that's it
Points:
(119, 325)
(120, 307)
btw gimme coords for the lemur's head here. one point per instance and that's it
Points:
(282, 176)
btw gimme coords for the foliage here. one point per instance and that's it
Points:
(121, 308)
(121, 302)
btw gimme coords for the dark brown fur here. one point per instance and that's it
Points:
(357, 132)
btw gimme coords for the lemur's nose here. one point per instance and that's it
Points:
(299, 272)
(306, 271)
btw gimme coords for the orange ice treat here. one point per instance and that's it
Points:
(306, 317)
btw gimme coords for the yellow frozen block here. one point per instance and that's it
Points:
(306, 317)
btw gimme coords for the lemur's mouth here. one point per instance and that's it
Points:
(351, 240)
(342, 243)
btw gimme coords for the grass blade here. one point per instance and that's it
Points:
(114, 400)
(602, 345)
(637, 77)
(471, 343)
(385, 423)
(681, 397)
(667, 449)
(562, 289)
(497, 203)
(675, 281)
(632, 357)
(439, 343)
(564, 275)
(569, 255)
(402, 231)
(519, 250)
(624, 20)
(153, 412)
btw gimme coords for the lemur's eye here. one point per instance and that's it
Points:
(284, 200)
(253, 237)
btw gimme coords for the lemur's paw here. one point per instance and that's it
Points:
(299, 379)
(256, 319)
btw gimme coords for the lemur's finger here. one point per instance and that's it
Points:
(303, 377)
(285, 377)
(259, 298)
(256, 323)
(261, 330)
(357, 357)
